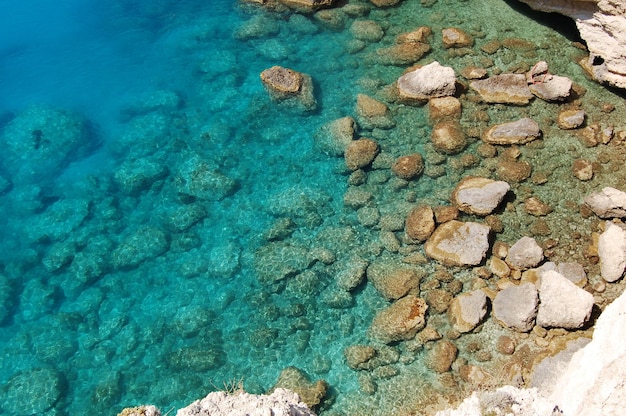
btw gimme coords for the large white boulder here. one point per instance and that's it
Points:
(612, 252)
(562, 304)
(429, 81)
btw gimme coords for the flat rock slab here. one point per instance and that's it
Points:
(515, 307)
(457, 243)
(432, 80)
(553, 88)
(520, 131)
(562, 304)
(504, 89)
(608, 203)
(479, 196)
(612, 252)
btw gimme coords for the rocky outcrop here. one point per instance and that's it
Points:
(281, 402)
(602, 24)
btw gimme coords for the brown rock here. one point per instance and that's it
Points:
(393, 282)
(360, 153)
(385, 3)
(400, 321)
(512, 170)
(456, 243)
(440, 108)
(306, 5)
(373, 113)
(441, 356)
(367, 30)
(505, 89)
(408, 167)
(419, 35)
(358, 356)
(473, 72)
(445, 213)
(520, 131)
(294, 379)
(535, 206)
(420, 223)
(334, 136)
(589, 136)
(505, 345)
(282, 80)
(475, 375)
(402, 53)
(438, 300)
(582, 169)
(448, 137)
(453, 37)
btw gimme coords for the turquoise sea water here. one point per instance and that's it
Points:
(143, 164)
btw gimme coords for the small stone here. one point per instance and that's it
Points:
(420, 223)
(589, 135)
(524, 254)
(448, 137)
(445, 213)
(505, 345)
(521, 131)
(574, 272)
(514, 171)
(582, 169)
(499, 268)
(440, 108)
(552, 88)
(408, 167)
(473, 72)
(373, 113)
(479, 196)
(403, 54)
(454, 37)
(367, 30)
(571, 119)
(360, 153)
(536, 207)
(438, 300)
(418, 35)
(283, 80)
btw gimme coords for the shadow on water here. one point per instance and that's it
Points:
(557, 22)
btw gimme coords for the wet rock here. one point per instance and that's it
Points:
(143, 244)
(358, 356)
(562, 304)
(467, 310)
(440, 108)
(445, 213)
(521, 131)
(276, 261)
(453, 37)
(334, 136)
(441, 356)
(419, 35)
(295, 380)
(479, 196)
(448, 137)
(408, 167)
(552, 88)
(571, 119)
(360, 153)
(513, 171)
(420, 223)
(473, 72)
(432, 80)
(505, 345)
(198, 179)
(352, 274)
(399, 321)
(504, 89)
(438, 300)
(284, 84)
(307, 5)
(582, 169)
(32, 392)
(612, 252)
(608, 203)
(135, 176)
(524, 254)
(515, 307)
(140, 411)
(456, 243)
(367, 30)
(536, 207)
(402, 54)
(281, 402)
(393, 281)
(372, 113)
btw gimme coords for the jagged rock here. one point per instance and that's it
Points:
(574, 272)
(360, 153)
(408, 167)
(536, 207)
(358, 356)
(571, 119)
(419, 35)
(504, 89)
(515, 307)
(612, 252)
(400, 321)
(479, 196)
(524, 254)
(582, 169)
(334, 136)
(293, 379)
(281, 402)
(467, 310)
(393, 281)
(513, 170)
(448, 137)
(602, 24)
(562, 304)
(441, 356)
(284, 84)
(420, 223)
(432, 80)
(608, 203)
(456, 243)
(552, 88)
(454, 37)
(402, 53)
(515, 132)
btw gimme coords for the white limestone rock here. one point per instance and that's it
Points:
(429, 81)
(479, 196)
(467, 310)
(612, 252)
(281, 402)
(457, 243)
(608, 203)
(562, 304)
(552, 88)
(515, 307)
(521, 131)
(524, 254)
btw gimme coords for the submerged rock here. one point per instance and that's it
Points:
(32, 392)
(400, 321)
(393, 281)
(448, 137)
(504, 89)
(456, 243)
(372, 113)
(520, 131)
(479, 196)
(360, 153)
(441, 356)
(284, 84)
(453, 37)
(408, 167)
(432, 80)
(310, 392)
(334, 136)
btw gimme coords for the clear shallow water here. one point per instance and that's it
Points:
(126, 284)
